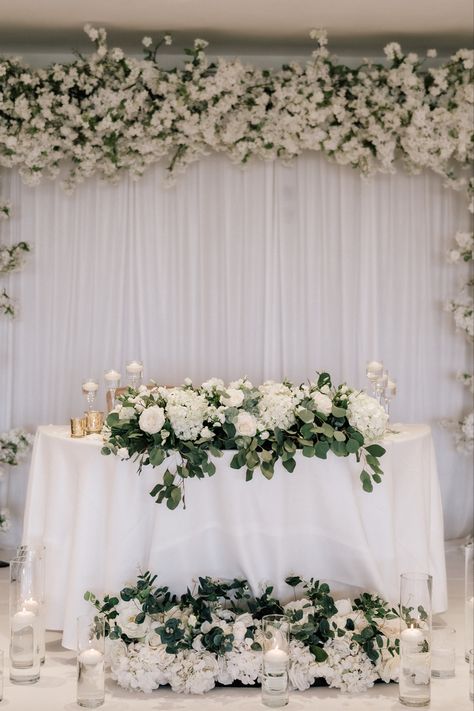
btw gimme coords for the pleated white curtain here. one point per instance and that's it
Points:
(270, 271)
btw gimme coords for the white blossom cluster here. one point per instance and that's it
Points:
(108, 113)
(463, 432)
(276, 407)
(12, 258)
(14, 446)
(144, 664)
(462, 307)
(367, 415)
(7, 304)
(5, 523)
(463, 249)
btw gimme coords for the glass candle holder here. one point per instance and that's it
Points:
(415, 639)
(134, 370)
(373, 370)
(24, 622)
(112, 382)
(89, 390)
(90, 660)
(468, 599)
(275, 660)
(443, 651)
(35, 602)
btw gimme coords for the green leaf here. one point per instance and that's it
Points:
(366, 482)
(249, 475)
(324, 379)
(215, 451)
(352, 445)
(267, 469)
(319, 653)
(339, 436)
(321, 449)
(339, 448)
(174, 498)
(289, 465)
(305, 415)
(168, 478)
(376, 450)
(157, 488)
(377, 478)
(327, 429)
(373, 463)
(105, 450)
(338, 411)
(157, 456)
(308, 451)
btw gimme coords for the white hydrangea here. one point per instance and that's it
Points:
(347, 667)
(367, 415)
(186, 411)
(276, 407)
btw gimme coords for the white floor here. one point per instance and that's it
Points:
(57, 687)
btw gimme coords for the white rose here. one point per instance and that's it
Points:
(246, 424)
(152, 419)
(192, 620)
(322, 402)
(123, 453)
(127, 612)
(188, 381)
(232, 397)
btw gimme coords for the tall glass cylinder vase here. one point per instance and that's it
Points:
(90, 660)
(36, 599)
(24, 638)
(415, 639)
(275, 662)
(468, 598)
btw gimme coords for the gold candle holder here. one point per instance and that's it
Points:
(94, 421)
(77, 427)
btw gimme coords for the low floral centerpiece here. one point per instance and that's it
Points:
(265, 424)
(212, 635)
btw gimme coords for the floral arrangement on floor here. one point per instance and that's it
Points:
(109, 113)
(213, 635)
(462, 308)
(264, 424)
(14, 446)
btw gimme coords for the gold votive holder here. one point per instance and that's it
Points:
(78, 427)
(94, 421)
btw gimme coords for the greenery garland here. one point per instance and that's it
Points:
(213, 634)
(265, 424)
(108, 113)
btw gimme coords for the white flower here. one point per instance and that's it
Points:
(188, 381)
(366, 415)
(186, 411)
(232, 397)
(168, 39)
(152, 419)
(432, 53)
(123, 453)
(323, 403)
(206, 433)
(127, 612)
(245, 424)
(126, 413)
(344, 607)
(147, 41)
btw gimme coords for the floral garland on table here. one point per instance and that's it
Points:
(463, 309)
(264, 424)
(108, 113)
(214, 636)
(14, 446)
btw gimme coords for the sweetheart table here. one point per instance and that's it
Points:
(100, 526)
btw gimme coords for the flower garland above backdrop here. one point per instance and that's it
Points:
(214, 636)
(109, 113)
(264, 424)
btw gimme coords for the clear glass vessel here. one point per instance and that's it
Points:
(415, 639)
(90, 661)
(275, 660)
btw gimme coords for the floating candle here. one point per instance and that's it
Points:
(90, 386)
(23, 618)
(276, 661)
(134, 367)
(31, 605)
(91, 657)
(112, 375)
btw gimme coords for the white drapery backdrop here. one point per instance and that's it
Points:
(271, 271)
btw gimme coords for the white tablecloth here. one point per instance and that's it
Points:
(100, 526)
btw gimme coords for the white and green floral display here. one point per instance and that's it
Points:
(11, 259)
(212, 635)
(109, 113)
(462, 308)
(263, 424)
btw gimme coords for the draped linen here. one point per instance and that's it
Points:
(268, 271)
